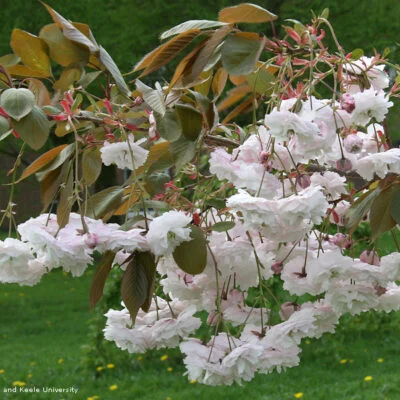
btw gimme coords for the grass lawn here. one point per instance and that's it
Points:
(43, 328)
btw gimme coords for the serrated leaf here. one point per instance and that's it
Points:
(190, 120)
(71, 32)
(360, 208)
(183, 151)
(246, 12)
(61, 50)
(192, 24)
(223, 226)
(154, 98)
(380, 216)
(34, 129)
(240, 53)
(17, 103)
(166, 52)
(100, 277)
(32, 50)
(91, 166)
(191, 256)
(138, 283)
(41, 162)
(111, 67)
(105, 202)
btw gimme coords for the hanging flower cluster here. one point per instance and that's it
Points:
(250, 232)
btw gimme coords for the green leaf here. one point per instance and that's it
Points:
(9, 60)
(88, 78)
(100, 277)
(325, 13)
(261, 81)
(34, 128)
(240, 53)
(17, 103)
(103, 203)
(69, 76)
(246, 12)
(191, 256)
(154, 98)
(193, 24)
(380, 216)
(183, 151)
(109, 63)
(395, 206)
(191, 121)
(216, 203)
(65, 203)
(4, 125)
(91, 166)
(360, 208)
(223, 226)
(168, 126)
(138, 283)
(159, 158)
(208, 109)
(356, 54)
(62, 50)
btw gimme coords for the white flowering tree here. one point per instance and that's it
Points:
(251, 232)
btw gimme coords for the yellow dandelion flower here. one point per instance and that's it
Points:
(368, 378)
(380, 360)
(193, 381)
(18, 383)
(164, 357)
(93, 398)
(170, 369)
(140, 358)
(60, 361)
(29, 376)
(308, 341)
(298, 395)
(98, 369)
(344, 361)
(2, 371)
(113, 387)
(110, 366)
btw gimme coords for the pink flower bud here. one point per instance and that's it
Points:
(341, 240)
(264, 156)
(344, 165)
(370, 257)
(277, 267)
(91, 240)
(287, 309)
(347, 102)
(304, 181)
(353, 143)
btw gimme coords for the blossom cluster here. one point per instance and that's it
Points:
(289, 181)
